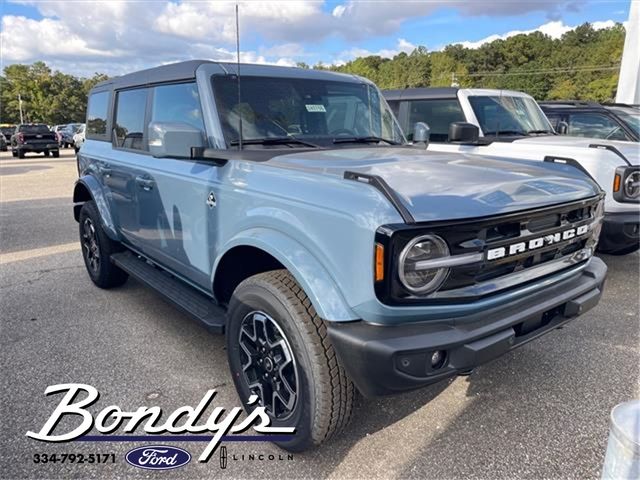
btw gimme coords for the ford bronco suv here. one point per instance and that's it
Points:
(508, 124)
(284, 208)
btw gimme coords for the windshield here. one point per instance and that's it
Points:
(509, 115)
(34, 129)
(630, 116)
(317, 111)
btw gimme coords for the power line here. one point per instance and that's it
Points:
(534, 72)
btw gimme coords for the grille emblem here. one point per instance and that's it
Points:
(521, 247)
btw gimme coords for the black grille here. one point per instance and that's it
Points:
(480, 235)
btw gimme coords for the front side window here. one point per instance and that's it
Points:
(507, 115)
(630, 116)
(96, 114)
(318, 111)
(130, 113)
(438, 114)
(178, 103)
(595, 125)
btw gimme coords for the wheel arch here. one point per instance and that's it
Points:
(275, 250)
(87, 189)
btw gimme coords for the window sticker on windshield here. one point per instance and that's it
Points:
(316, 108)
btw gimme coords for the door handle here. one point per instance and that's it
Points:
(145, 183)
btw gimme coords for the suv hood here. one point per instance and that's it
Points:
(631, 150)
(443, 186)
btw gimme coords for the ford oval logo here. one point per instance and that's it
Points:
(158, 457)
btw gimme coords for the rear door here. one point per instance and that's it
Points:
(123, 172)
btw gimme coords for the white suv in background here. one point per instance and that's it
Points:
(78, 138)
(503, 123)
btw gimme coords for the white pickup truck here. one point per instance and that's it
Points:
(502, 123)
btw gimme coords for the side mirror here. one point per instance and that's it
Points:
(421, 133)
(563, 128)
(174, 139)
(463, 132)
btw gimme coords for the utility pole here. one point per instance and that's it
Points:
(20, 105)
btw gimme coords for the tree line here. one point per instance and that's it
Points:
(46, 96)
(583, 64)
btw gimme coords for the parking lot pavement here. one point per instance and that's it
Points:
(540, 411)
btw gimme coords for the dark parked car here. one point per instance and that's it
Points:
(34, 138)
(7, 131)
(3, 143)
(611, 121)
(67, 134)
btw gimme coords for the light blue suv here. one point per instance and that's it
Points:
(284, 208)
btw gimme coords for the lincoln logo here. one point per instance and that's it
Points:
(538, 242)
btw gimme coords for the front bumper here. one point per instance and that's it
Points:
(620, 232)
(388, 359)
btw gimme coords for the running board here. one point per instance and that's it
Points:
(175, 291)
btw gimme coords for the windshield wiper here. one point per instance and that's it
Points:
(537, 132)
(368, 139)
(274, 141)
(504, 132)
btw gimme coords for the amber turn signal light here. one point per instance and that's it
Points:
(379, 265)
(616, 183)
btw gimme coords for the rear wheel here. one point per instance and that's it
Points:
(14, 153)
(97, 249)
(20, 153)
(46, 153)
(56, 153)
(278, 349)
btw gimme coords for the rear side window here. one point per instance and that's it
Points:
(178, 103)
(97, 115)
(438, 114)
(130, 112)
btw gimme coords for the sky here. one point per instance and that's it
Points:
(116, 37)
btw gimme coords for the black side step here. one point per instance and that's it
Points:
(186, 298)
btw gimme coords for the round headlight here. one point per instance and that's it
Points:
(414, 271)
(632, 185)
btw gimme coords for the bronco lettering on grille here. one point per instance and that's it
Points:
(532, 244)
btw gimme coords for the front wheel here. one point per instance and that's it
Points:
(55, 153)
(278, 349)
(97, 249)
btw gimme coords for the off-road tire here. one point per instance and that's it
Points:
(325, 395)
(106, 274)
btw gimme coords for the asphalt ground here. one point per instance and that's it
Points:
(539, 411)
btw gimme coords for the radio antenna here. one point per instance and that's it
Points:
(238, 79)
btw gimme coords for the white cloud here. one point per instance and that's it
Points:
(555, 29)
(118, 36)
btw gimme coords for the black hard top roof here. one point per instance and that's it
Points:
(421, 93)
(187, 71)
